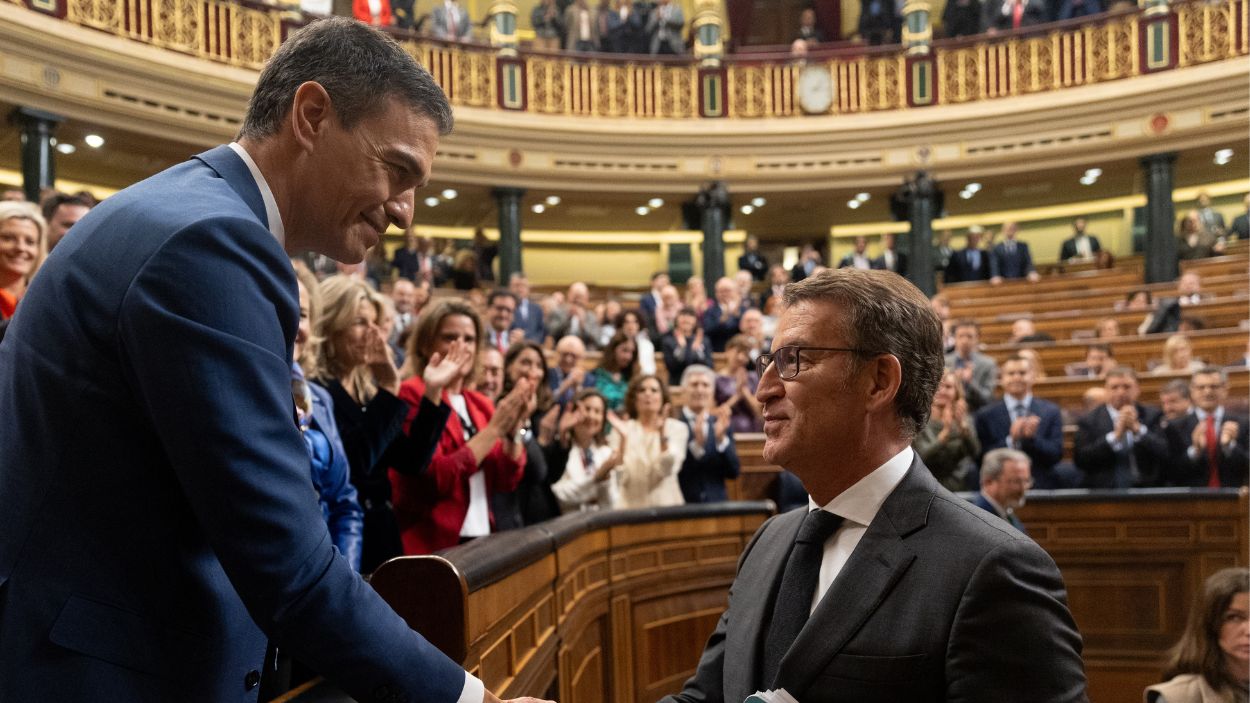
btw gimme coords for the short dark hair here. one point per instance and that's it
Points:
(501, 293)
(1104, 348)
(967, 322)
(55, 200)
(888, 315)
(1178, 386)
(360, 68)
(631, 393)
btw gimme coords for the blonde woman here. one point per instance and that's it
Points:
(948, 444)
(1178, 357)
(653, 447)
(23, 244)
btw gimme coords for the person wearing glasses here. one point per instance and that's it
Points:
(885, 587)
(1005, 478)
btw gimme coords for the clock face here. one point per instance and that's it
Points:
(815, 90)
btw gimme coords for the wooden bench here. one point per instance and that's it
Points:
(1215, 346)
(1111, 298)
(1219, 313)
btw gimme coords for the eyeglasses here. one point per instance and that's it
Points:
(787, 359)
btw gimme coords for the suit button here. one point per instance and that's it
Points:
(252, 679)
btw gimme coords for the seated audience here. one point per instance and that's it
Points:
(977, 371)
(1010, 259)
(1035, 362)
(653, 447)
(1107, 328)
(1006, 477)
(476, 454)
(22, 250)
(1209, 445)
(1177, 357)
(752, 325)
(1114, 447)
(941, 306)
(529, 315)
(1195, 240)
(618, 365)
(1137, 300)
(1174, 400)
(948, 444)
(1023, 331)
(665, 23)
(413, 261)
(1032, 425)
(652, 299)
(489, 380)
(588, 457)
(1167, 316)
(404, 301)
(711, 457)
(777, 280)
(858, 258)
(314, 411)
(735, 388)
(969, 263)
(568, 376)
(632, 324)
(684, 345)
(354, 364)
(500, 313)
(1211, 662)
(575, 318)
(1081, 246)
(696, 295)
(581, 27)
(665, 315)
(606, 313)
(1098, 361)
(532, 501)
(744, 282)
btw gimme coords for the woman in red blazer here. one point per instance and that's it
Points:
(478, 454)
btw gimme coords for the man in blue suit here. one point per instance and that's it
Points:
(158, 523)
(1031, 425)
(529, 315)
(711, 457)
(1005, 479)
(1010, 258)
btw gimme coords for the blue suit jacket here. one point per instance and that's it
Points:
(157, 519)
(981, 502)
(703, 479)
(993, 423)
(1017, 264)
(532, 323)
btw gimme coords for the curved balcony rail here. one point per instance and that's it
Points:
(243, 34)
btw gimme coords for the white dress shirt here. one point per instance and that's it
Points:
(857, 505)
(271, 205)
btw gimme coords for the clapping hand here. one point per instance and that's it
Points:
(722, 423)
(444, 369)
(1228, 432)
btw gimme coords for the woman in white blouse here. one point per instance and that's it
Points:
(590, 458)
(653, 447)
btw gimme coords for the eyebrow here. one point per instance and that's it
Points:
(409, 163)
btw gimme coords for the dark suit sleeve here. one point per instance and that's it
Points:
(213, 377)
(1024, 646)
(1047, 443)
(1091, 452)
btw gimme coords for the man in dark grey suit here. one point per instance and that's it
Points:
(888, 587)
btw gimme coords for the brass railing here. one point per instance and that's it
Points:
(244, 34)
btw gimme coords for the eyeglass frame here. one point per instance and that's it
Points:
(765, 360)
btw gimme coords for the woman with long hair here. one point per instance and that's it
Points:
(948, 444)
(735, 387)
(23, 245)
(1211, 662)
(653, 447)
(478, 452)
(1178, 357)
(532, 501)
(354, 364)
(617, 366)
(634, 325)
(588, 457)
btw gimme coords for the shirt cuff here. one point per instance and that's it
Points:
(1116, 446)
(474, 690)
(694, 449)
(723, 444)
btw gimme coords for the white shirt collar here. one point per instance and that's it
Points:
(861, 502)
(271, 205)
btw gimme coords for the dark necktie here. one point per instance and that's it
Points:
(793, 605)
(1213, 453)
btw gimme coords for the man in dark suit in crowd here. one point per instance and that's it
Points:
(1032, 425)
(1114, 445)
(1081, 245)
(711, 457)
(859, 257)
(529, 315)
(1241, 223)
(651, 299)
(891, 258)
(1010, 259)
(161, 568)
(977, 371)
(1209, 445)
(752, 260)
(886, 587)
(809, 261)
(969, 263)
(1005, 478)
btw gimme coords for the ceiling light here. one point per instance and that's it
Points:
(450, 194)
(853, 204)
(94, 141)
(1223, 156)
(862, 197)
(748, 209)
(1088, 180)
(539, 208)
(655, 203)
(965, 195)
(758, 202)
(431, 201)
(973, 188)
(66, 148)
(642, 210)
(553, 200)
(1093, 173)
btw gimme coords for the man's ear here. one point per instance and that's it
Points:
(886, 379)
(312, 113)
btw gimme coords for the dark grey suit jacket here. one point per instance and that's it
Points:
(939, 601)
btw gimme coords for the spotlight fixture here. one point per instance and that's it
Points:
(758, 202)
(94, 141)
(431, 201)
(966, 194)
(862, 197)
(1093, 173)
(655, 203)
(973, 188)
(748, 209)
(539, 208)
(1223, 156)
(450, 194)
(642, 210)
(553, 200)
(854, 204)
(66, 148)
(1088, 180)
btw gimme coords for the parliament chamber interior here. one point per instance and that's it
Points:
(602, 164)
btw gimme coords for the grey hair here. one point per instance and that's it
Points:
(697, 370)
(995, 459)
(360, 68)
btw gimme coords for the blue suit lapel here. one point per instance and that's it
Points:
(231, 168)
